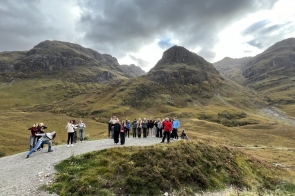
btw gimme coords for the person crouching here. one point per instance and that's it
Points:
(46, 138)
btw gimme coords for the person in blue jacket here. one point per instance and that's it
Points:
(175, 126)
(127, 127)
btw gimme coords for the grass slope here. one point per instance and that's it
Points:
(182, 168)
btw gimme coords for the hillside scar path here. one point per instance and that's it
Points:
(21, 176)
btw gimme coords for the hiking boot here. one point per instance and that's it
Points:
(50, 150)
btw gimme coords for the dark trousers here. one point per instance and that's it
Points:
(116, 137)
(159, 132)
(166, 133)
(175, 135)
(144, 131)
(134, 132)
(139, 132)
(127, 132)
(75, 137)
(122, 138)
(70, 137)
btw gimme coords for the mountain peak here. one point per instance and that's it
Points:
(179, 55)
(183, 66)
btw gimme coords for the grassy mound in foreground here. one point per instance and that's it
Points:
(182, 167)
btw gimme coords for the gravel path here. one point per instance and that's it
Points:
(21, 176)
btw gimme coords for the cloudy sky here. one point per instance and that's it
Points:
(138, 31)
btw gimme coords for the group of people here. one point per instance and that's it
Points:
(72, 132)
(147, 127)
(38, 137)
(165, 128)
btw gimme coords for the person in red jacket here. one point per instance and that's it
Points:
(167, 127)
(33, 138)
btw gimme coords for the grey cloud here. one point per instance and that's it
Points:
(256, 43)
(265, 36)
(118, 27)
(139, 62)
(21, 23)
(126, 26)
(257, 26)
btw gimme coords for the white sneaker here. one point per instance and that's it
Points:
(72, 144)
(68, 145)
(82, 141)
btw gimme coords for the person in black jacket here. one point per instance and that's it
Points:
(117, 128)
(41, 129)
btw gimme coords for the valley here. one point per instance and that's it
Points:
(223, 106)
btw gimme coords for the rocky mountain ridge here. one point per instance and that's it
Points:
(63, 59)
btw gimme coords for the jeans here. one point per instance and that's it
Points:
(39, 144)
(32, 142)
(151, 132)
(81, 135)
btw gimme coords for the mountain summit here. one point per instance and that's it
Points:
(182, 66)
(63, 60)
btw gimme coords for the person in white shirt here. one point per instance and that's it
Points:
(70, 128)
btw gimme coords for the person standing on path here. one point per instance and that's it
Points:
(175, 126)
(144, 127)
(82, 127)
(112, 122)
(167, 126)
(117, 128)
(33, 137)
(122, 133)
(41, 128)
(70, 129)
(75, 131)
(127, 128)
(139, 126)
(134, 126)
(46, 138)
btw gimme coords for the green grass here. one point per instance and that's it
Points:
(184, 168)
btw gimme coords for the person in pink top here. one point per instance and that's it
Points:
(167, 127)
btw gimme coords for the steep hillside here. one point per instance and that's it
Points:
(132, 71)
(231, 68)
(62, 60)
(273, 74)
(181, 83)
